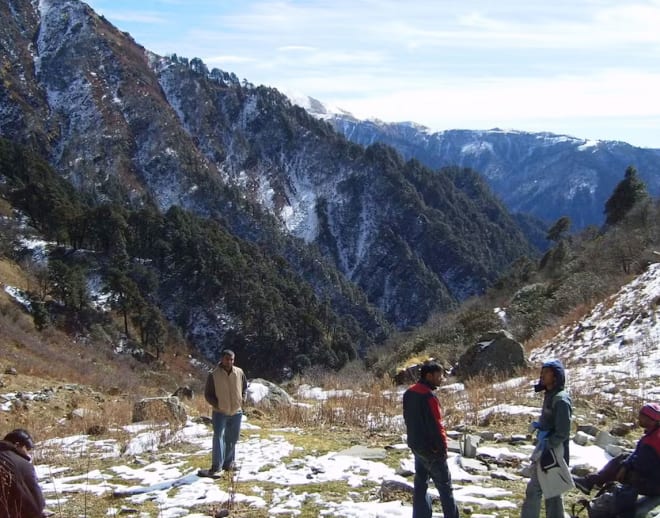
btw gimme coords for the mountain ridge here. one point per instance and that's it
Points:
(538, 173)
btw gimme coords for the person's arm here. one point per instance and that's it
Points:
(437, 429)
(31, 496)
(37, 494)
(562, 428)
(644, 469)
(209, 391)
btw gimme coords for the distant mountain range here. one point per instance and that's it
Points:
(372, 236)
(541, 174)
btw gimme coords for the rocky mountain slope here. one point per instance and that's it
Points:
(124, 125)
(542, 174)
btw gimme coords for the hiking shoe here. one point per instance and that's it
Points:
(229, 467)
(213, 473)
(583, 484)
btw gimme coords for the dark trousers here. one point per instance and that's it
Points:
(608, 472)
(433, 467)
(625, 494)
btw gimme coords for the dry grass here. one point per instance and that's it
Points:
(72, 375)
(364, 417)
(548, 332)
(11, 275)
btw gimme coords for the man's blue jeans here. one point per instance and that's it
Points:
(434, 467)
(226, 430)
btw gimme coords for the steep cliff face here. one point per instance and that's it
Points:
(367, 210)
(542, 174)
(23, 105)
(124, 124)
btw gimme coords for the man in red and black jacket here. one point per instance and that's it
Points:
(428, 441)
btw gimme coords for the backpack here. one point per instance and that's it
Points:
(613, 500)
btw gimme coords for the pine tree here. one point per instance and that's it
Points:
(557, 231)
(627, 193)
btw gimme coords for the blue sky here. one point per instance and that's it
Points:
(589, 68)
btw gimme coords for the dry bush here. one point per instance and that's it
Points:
(198, 405)
(363, 412)
(466, 407)
(363, 400)
(354, 376)
(545, 334)
(367, 410)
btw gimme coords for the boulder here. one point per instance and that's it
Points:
(410, 374)
(581, 438)
(504, 475)
(604, 439)
(472, 465)
(266, 393)
(391, 490)
(453, 445)
(496, 352)
(614, 450)
(184, 392)
(167, 409)
(589, 429)
(406, 467)
(622, 429)
(470, 443)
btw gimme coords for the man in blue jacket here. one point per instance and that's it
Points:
(428, 441)
(554, 433)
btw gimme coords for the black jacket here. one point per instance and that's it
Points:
(20, 494)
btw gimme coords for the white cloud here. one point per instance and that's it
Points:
(436, 63)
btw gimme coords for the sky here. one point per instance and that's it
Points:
(585, 68)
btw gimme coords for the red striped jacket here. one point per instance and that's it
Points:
(423, 417)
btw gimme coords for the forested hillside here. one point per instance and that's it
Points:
(170, 273)
(534, 298)
(302, 214)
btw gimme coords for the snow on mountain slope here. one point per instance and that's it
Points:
(615, 349)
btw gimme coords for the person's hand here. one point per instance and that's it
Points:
(534, 425)
(542, 435)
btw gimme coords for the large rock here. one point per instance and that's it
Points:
(410, 374)
(470, 443)
(391, 490)
(265, 393)
(495, 353)
(184, 392)
(167, 409)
